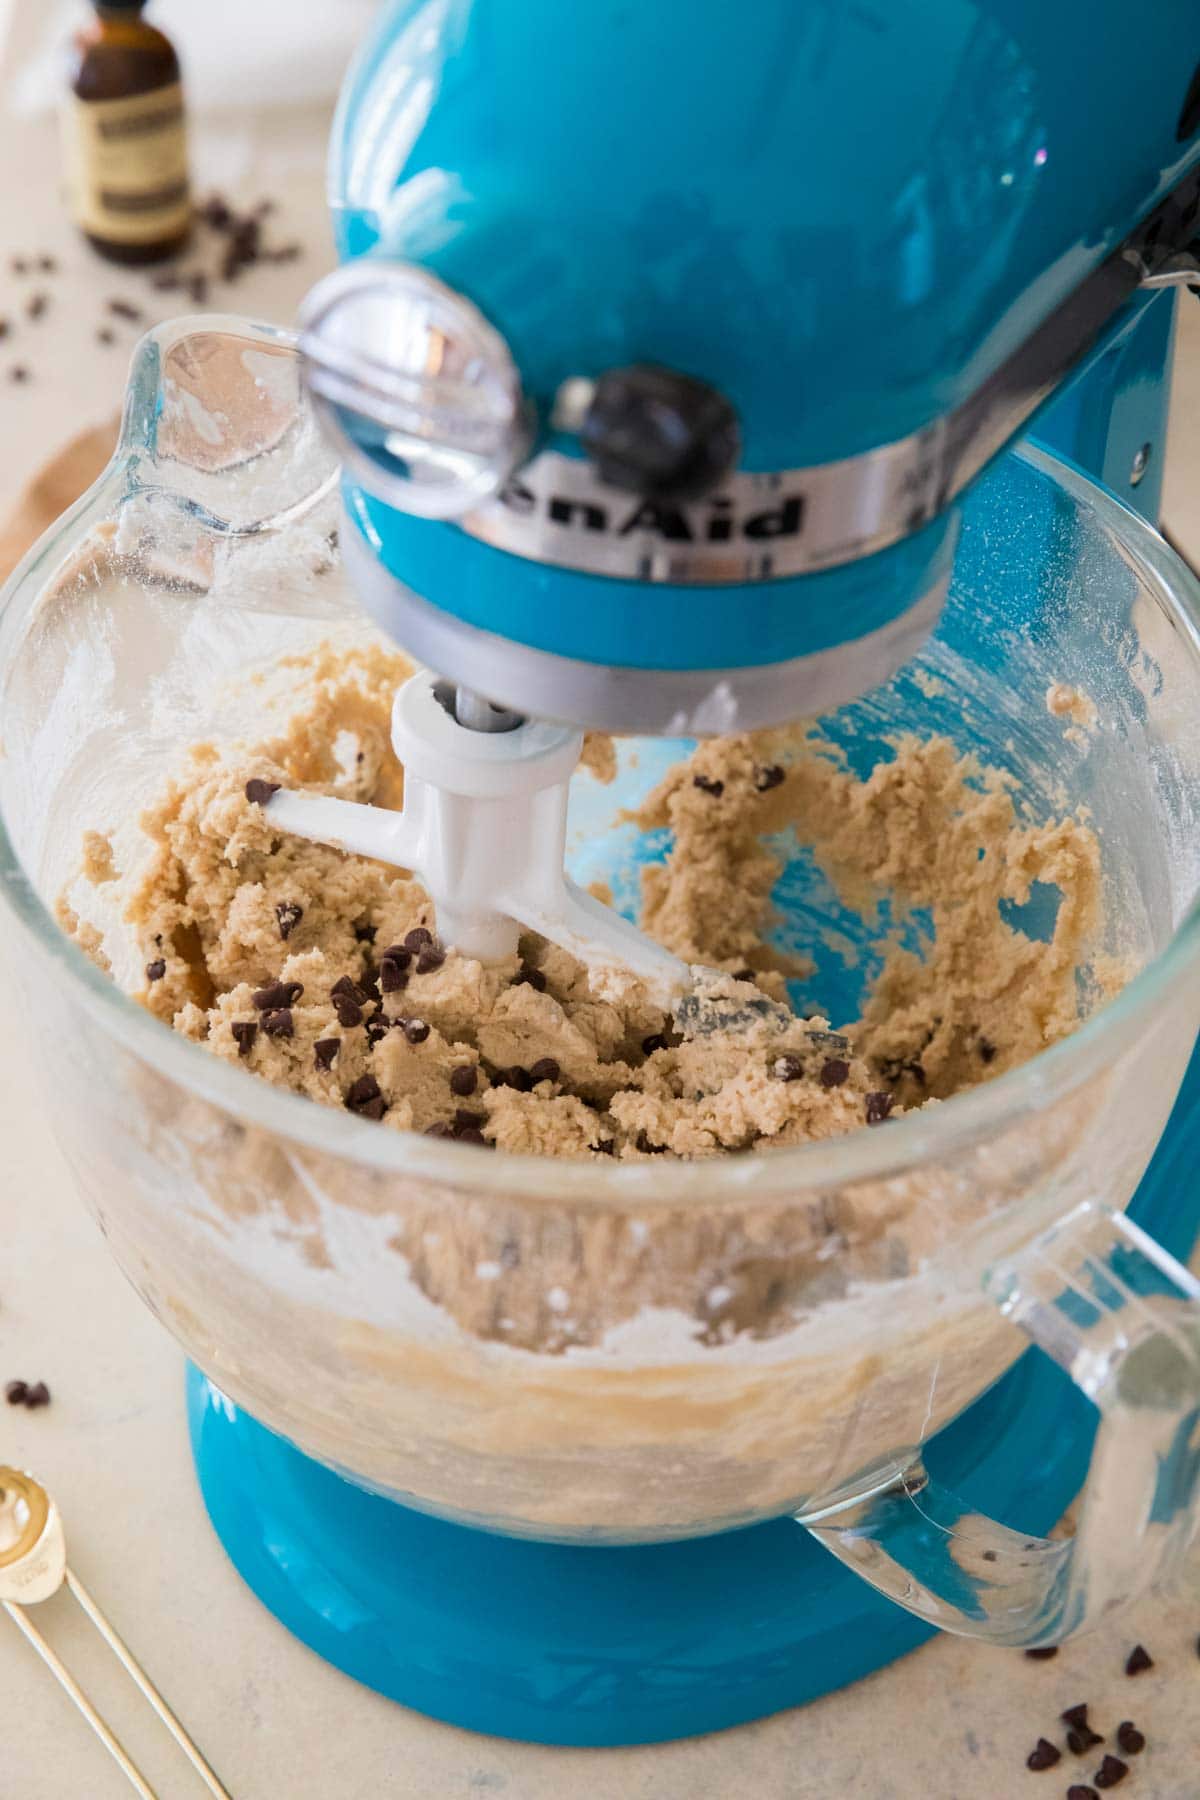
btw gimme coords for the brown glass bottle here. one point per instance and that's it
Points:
(125, 151)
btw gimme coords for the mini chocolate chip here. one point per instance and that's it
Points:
(347, 987)
(1130, 1739)
(106, 335)
(400, 954)
(324, 1051)
(606, 1147)
(1111, 1771)
(417, 938)
(743, 974)
(1042, 1652)
(878, 1106)
(1139, 1659)
(1044, 1755)
(376, 1032)
(289, 914)
(834, 1072)
(438, 1130)
(416, 1030)
(37, 1395)
(787, 1068)
(432, 958)
(1077, 1716)
(18, 373)
(544, 1069)
(259, 792)
(280, 993)
(466, 1120)
(769, 776)
(244, 1032)
(1077, 1791)
(125, 309)
(463, 1079)
(472, 1135)
(656, 1041)
(1083, 1739)
(516, 1077)
(278, 1022)
(649, 1149)
(364, 1095)
(16, 1392)
(987, 1050)
(47, 265)
(36, 305)
(528, 977)
(349, 1012)
(365, 934)
(707, 785)
(392, 978)
(156, 970)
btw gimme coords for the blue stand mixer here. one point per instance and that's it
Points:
(670, 364)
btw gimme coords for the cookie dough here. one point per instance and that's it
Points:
(322, 972)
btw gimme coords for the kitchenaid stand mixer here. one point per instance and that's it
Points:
(660, 390)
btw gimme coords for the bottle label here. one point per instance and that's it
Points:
(126, 165)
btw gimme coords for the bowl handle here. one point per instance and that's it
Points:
(1122, 1317)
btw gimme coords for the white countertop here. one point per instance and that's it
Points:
(951, 1722)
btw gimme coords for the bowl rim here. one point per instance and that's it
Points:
(914, 1139)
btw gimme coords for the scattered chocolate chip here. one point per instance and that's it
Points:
(432, 958)
(369, 983)
(472, 1135)
(417, 938)
(47, 265)
(707, 785)
(1082, 1739)
(347, 987)
(878, 1106)
(1042, 1652)
(987, 1050)
(466, 1120)
(289, 913)
(362, 1092)
(606, 1147)
(156, 970)
(416, 1030)
(260, 791)
(349, 1012)
(37, 1395)
(280, 993)
(743, 974)
(216, 212)
(324, 1051)
(1076, 1716)
(1130, 1739)
(125, 309)
(646, 1147)
(1139, 1658)
(1044, 1755)
(36, 305)
(1111, 1771)
(198, 288)
(278, 1022)
(376, 1032)
(769, 776)
(106, 336)
(400, 954)
(438, 1130)
(16, 1392)
(392, 977)
(365, 934)
(244, 1033)
(1077, 1791)
(834, 1072)
(656, 1041)
(545, 1069)
(19, 266)
(787, 1068)
(18, 373)
(529, 977)
(463, 1080)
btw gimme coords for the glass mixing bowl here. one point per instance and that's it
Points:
(647, 1351)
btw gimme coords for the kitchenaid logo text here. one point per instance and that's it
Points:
(715, 521)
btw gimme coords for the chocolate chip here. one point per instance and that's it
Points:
(438, 1130)
(432, 958)
(878, 1106)
(1139, 1658)
(47, 265)
(370, 986)
(105, 336)
(606, 1147)
(545, 1069)
(260, 791)
(37, 1395)
(834, 1072)
(743, 974)
(216, 212)
(472, 1135)
(1044, 1755)
(769, 776)
(1042, 1652)
(1130, 1739)
(392, 978)
(280, 993)
(707, 785)
(125, 309)
(463, 1079)
(516, 1077)
(649, 1149)
(528, 977)
(416, 1030)
(16, 1392)
(1111, 1771)
(278, 1023)
(987, 1050)
(365, 934)
(347, 987)
(244, 1033)
(656, 1041)
(324, 1051)
(417, 938)
(1077, 1791)
(18, 373)
(466, 1120)
(787, 1068)
(36, 305)
(364, 1094)
(1083, 1739)
(289, 914)
(156, 970)
(349, 1012)
(400, 954)
(376, 1032)
(1076, 1716)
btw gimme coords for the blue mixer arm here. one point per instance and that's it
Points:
(1122, 1317)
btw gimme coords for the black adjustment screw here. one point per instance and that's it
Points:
(660, 433)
